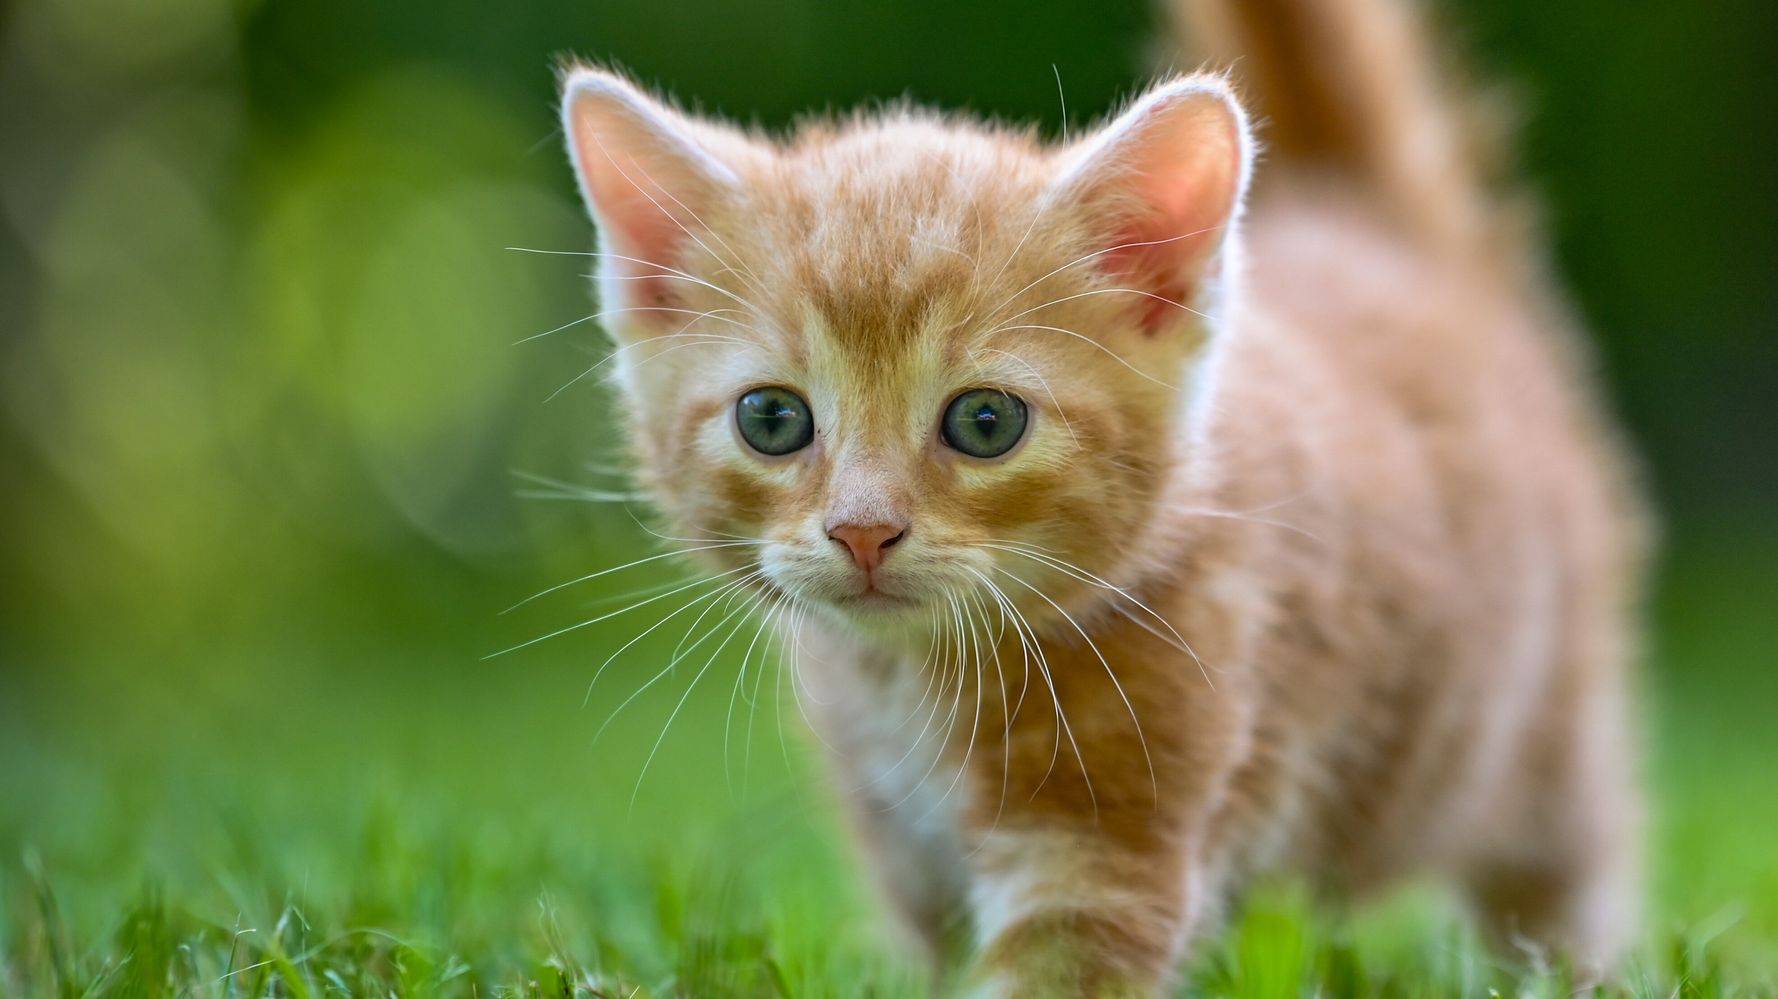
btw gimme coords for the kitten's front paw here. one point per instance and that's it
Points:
(1019, 985)
(1067, 956)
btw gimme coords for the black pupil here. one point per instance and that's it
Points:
(984, 422)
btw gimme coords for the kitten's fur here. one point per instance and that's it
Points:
(1317, 554)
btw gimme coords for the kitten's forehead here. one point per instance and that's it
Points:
(884, 230)
(911, 154)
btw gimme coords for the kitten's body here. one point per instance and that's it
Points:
(1315, 555)
(1406, 579)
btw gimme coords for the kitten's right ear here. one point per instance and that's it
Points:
(648, 182)
(1164, 183)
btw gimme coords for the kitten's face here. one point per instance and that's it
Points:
(911, 363)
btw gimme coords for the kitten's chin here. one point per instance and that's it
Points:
(877, 610)
(876, 601)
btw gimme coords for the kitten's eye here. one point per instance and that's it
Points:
(774, 420)
(984, 423)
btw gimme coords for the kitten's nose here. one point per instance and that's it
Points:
(867, 542)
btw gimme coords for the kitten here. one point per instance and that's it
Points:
(1141, 535)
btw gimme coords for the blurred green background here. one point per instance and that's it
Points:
(272, 464)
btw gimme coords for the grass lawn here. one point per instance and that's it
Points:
(305, 820)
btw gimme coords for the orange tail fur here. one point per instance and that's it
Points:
(1353, 90)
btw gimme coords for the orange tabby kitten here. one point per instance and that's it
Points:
(1143, 535)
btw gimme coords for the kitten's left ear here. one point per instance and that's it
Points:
(649, 176)
(1163, 185)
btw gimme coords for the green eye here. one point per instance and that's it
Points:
(984, 423)
(774, 420)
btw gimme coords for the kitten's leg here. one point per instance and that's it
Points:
(1562, 882)
(1092, 888)
(1079, 912)
(1090, 805)
(866, 705)
(1555, 909)
(918, 871)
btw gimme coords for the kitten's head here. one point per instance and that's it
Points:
(910, 357)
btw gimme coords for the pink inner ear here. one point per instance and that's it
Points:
(646, 182)
(1173, 178)
(1159, 266)
(653, 237)
(643, 229)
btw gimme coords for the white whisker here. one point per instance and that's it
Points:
(941, 669)
(719, 535)
(728, 718)
(663, 209)
(688, 605)
(1046, 388)
(774, 617)
(1076, 262)
(1033, 645)
(1153, 781)
(699, 339)
(619, 568)
(570, 491)
(1266, 521)
(952, 715)
(666, 271)
(1114, 355)
(726, 593)
(715, 314)
(1109, 291)
(745, 609)
(1177, 640)
(967, 615)
(606, 617)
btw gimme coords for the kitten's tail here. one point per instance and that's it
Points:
(1354, 89)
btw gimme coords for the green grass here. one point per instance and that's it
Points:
(364, 823)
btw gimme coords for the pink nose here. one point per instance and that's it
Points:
(867, 542)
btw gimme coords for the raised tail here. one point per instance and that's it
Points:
(1355, 89)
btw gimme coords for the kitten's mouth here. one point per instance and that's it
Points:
(874, 598)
